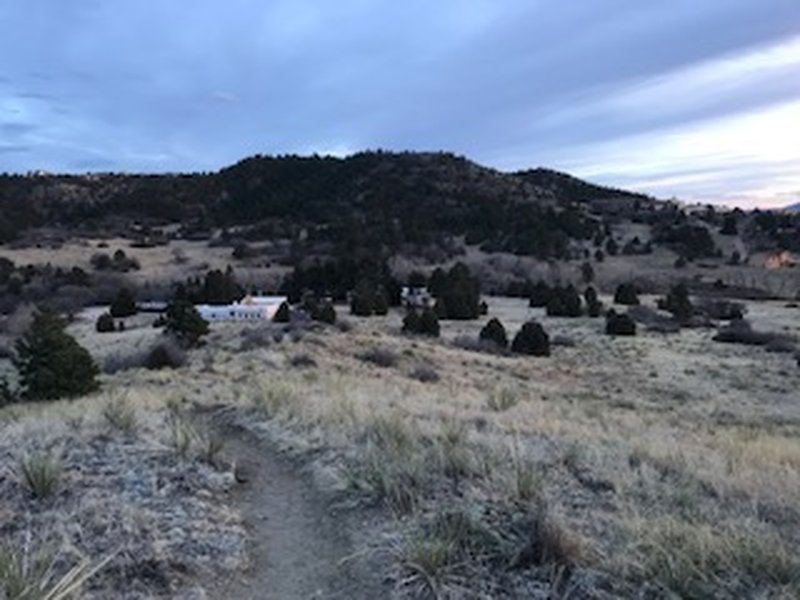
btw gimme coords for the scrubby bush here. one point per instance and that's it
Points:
(165, 354)
(495, 333)
(382, 357)
(722, 310)
(739, 331)
(283, 314)
(532, 339)
(678, 303)
(627, 294)
(302, 361)
(425, 374)
(124, 304)
(185, 323)
(620, 324)
(105, 324)
(51, 363)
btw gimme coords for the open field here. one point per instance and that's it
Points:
(650, 466)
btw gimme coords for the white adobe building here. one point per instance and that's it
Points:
(250, 308)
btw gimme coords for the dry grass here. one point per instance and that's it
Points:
(696, 435)
(40, 473)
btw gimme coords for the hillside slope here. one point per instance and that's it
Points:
(378, 198)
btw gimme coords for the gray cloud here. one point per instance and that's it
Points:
(158, 86)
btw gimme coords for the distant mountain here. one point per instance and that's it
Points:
(792, 208)
(370, 199)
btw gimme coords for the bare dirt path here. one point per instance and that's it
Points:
(300, 547)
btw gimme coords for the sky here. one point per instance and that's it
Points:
(698, 100)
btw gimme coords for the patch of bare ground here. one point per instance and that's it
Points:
(302, 542)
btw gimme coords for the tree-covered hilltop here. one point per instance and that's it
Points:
(370, 199)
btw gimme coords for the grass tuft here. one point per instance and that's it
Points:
(120, 415)
(502, 399)
(40, 473)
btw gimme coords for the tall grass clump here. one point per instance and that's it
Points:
(40, 473)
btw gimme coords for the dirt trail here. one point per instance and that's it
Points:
(300, 548)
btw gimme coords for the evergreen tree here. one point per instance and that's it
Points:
(185, 323)
(587, 272)
(541, 295)
(627, 294)
(678, 303)
(380, 303)
(124, 304)
(411, 322)
(620, 324)
(593, 304)
(495, 333)
(51, 363)
(532, 339)
(283, 314)
(105, 323)
(429, 323)
(326, 313)
(362, 299)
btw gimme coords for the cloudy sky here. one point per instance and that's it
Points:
(687, 98)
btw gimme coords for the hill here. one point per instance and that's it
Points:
(372, 199)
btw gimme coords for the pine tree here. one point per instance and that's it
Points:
(51, 363)
(283, 314)
(532, 339)
(185, 323)
(495, 333)
(620, 324)
(627, 294)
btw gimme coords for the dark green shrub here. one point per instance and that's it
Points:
(123, 305)
(185, 323)
(165, 354)
(380, 303)
(678, 303)
(532, 339)
(382, 357)
(283, 314)
(620, 324)
(495, 333)
(361, 301)
(627, 294)
(326, 313)
(541, 295)
(105, 323)
(457, 293)
(51, 363)
(587, 272)
(429, 323)
(564, 302)
(424, 323)
(593, 305)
